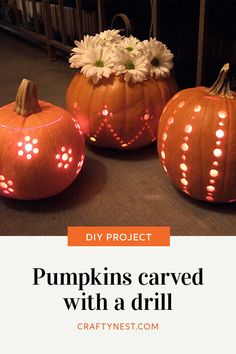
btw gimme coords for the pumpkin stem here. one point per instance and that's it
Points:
(26, 99)
(221, 86)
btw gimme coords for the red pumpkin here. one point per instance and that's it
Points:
(41, 147)
(117, 114)
(197, 141)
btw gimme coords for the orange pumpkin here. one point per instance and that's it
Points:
(197, 141)
(117, 114)
(41, 147)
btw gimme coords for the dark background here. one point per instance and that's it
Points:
(178, 29)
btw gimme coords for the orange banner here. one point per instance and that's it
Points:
(119, 236)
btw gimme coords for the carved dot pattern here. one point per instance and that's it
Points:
(170, 121)
(80, 164)
(6, 186)
(183, 165)
(217, 154)
(104, 116)
(28, 147)
(64, 158)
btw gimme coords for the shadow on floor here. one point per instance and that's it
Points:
(148, 152)
(87, 185)
(225, 208)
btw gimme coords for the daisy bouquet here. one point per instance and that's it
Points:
(109, 53)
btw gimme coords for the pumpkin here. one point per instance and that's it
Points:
(118, 114)
(41, 147)
(197, 141)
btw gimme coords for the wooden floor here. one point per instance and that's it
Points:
(114, 187)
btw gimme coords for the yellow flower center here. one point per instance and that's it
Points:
(129, 65)
(99, 63)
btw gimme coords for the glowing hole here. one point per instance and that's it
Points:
(124, 145)
(19, 144)
(217, 152)
(70, 159)
(210, 188)
(20, 152)
(220, 133)
(183, 157)
(197, 108)
(209, 198)
(2, 178)
(221, 124)
(28, 156)
(165, 169)
(163, 155)
(188, 129)
(35, 141)
(181, 104)
(164, 136)
(35, 150)
(105, 112)
(3, 185)
(185, 138)
(11, 190)
(214, 173)
(6, 192)
(58, 157)
(170, 121)
(28, 147)
(27, 138)
(183, 167)
(66, 166)
(146, 116)
(184, 174)
(212, 181)
(184, 181)
(10, 183)
(92, 138)
(63, 148)
(65, 157)
(60, 164)
(222, 114)
(215, 163)
(218, 143)
(184, 147)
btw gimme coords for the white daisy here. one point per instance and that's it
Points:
(134, 68)
(96, 63)
(146, 44)
(160, 58)
(108, 37)
(131, 45)
(81, 48)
